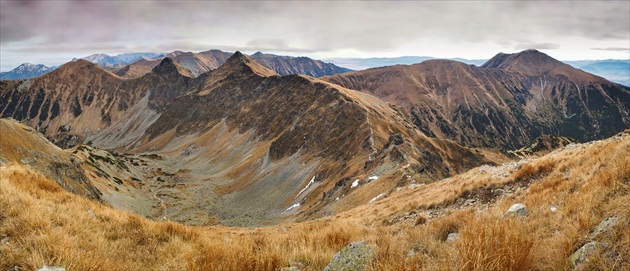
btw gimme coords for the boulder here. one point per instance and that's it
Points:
(517, 209)
(604, 227)
(581, 255)
(356, 256)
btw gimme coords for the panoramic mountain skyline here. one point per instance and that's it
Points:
(64, 29)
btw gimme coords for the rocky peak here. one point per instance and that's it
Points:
(169, 66)
(241, 64)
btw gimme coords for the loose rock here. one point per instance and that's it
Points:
(517, 209)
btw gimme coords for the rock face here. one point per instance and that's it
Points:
(356, 257)
(506, 103)
(517, 209)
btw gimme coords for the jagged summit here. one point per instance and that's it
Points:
(241, 64)
(169, 66)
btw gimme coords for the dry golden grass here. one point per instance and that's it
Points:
(45, 225)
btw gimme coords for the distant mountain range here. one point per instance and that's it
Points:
(375, 62)
(117, 61)
(134, 65)
(26, 70)
(615, 70)
(201, 62)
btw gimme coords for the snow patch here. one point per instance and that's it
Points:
(292, 207)
(306, 187)
(355, 183)
(377, 197)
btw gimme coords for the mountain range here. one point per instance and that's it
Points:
(278, 141)
(507, 102)
(201, 62)
(617, 71)
(107, 61)
(243, 145)
(214, 161)
(24, 71)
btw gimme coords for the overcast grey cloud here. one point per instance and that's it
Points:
(568, 30)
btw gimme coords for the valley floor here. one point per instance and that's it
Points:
(567, 194)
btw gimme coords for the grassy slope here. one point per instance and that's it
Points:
(42, 224)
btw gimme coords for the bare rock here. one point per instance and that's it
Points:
(517, 209)
(356, 256)
(581, 255)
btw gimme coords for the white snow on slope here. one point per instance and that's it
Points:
(309, 184)
(377, 197)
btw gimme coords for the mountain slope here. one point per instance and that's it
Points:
(506, 103)
(20, 144)
(236, 136)
(25, 71)
(574, 196)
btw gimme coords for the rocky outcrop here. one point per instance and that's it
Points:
(356, 257)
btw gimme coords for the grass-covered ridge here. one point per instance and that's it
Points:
(42, 224)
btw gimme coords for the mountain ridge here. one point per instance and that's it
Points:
(242, 126)
(505, 106)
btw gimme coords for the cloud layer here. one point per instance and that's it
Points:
(309, 27)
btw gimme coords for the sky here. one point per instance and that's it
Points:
(54, 32)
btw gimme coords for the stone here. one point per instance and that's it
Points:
(581, 255)
(51, 268)
(498, 192)
(355, 256)
(452, 237)
(469, 202)
(605, 226)
(517, 209)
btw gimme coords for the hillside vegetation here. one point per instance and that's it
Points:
(567, 194)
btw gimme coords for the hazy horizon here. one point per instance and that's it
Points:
(54, 32)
